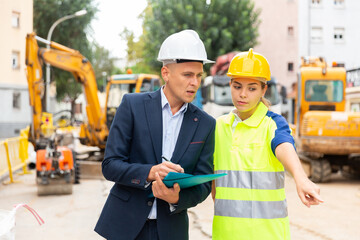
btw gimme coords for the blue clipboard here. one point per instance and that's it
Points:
(187, 180)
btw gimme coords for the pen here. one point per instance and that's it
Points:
(165, 159)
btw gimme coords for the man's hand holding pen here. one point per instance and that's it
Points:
(163, 169)
(159, 172)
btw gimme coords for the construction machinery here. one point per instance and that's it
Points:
(327, 137)
(121, 84)
(48, 141)
(217, 95)
(54, 168)
(94, 131)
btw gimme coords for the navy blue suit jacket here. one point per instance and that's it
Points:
(134, 145)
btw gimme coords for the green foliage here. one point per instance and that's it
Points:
(70, 33)
(133, 47)
(223, 25)
(142, 67)
(102, 64)
(135, 52)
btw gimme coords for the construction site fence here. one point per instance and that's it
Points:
(14, 156)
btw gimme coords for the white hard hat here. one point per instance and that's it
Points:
(184, 45)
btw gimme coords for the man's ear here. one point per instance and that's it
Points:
(165, 71)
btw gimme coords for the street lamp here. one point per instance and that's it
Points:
(104, 74)
(77, 14)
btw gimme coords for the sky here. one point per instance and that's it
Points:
(112, 18)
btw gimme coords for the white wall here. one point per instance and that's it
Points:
(329, 16)
(275, 43)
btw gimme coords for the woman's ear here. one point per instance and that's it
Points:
(264, 90)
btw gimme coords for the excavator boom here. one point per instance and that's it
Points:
(95, 131)
(36, 85)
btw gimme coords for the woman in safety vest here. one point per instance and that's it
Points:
(253, 145)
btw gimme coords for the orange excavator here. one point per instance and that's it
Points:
(327, 136)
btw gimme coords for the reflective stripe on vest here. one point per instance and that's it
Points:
(251, 180)
(250, 202)
(250, 209)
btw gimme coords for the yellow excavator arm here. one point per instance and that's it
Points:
(35, 83)
(95, 131)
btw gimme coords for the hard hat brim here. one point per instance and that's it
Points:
(248, 76)
(189, 60)
(261, 79)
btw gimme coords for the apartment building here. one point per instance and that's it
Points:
(330, 28)
(291, 29)
(16, 20)
(278, 38)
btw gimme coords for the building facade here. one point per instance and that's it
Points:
(16, 20)
(278, 38)
(330, 29)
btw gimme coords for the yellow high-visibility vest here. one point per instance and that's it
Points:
(250, 201)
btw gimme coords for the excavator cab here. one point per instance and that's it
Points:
(121, 84)
(322, 88)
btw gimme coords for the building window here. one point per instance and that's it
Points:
(316, 34)
(339, 2)
(339, 34)
(15, 56)
(316, 3)
(354, 107)
(15, 19)
(16, 100)
(290, 66)
(290, 31)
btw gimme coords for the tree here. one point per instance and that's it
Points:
(132, 46)
(70, 33)
(102, 63)
(135, 52)
(223, 25)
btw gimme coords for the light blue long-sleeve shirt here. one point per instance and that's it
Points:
(171, 128)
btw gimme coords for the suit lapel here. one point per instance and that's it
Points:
(154, 121)
(187, 131)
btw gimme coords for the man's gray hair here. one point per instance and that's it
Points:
(168, 61)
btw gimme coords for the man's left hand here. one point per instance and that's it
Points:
(161, 191)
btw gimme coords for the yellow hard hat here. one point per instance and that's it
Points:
(249, 64)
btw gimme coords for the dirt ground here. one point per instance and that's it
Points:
(74, 216)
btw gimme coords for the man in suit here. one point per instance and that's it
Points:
(153, 134)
